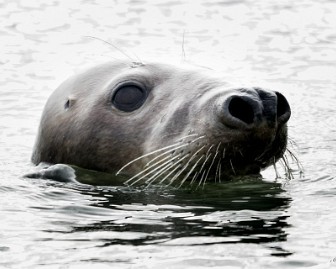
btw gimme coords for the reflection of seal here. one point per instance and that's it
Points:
(161, 123)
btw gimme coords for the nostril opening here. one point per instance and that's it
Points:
(241, 109)
(282, 106)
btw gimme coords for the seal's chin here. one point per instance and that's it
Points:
(251, 159)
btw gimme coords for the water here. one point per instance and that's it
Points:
(287, 46)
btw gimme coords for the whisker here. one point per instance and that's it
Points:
(220, 173)
(174, 134)
(207, 158)
(217, 170)
(151, 171)
(258, 158)
(281, 161)
(292, 142)
(232, 167)
(287, 168)
(207, 174)
(193, 167)
(164, 153)
(196, 174)
(198, 138)
(183, 51)
(159, 173)
(178, 173)
(209, 150)
(207, 155)
(213, 160)
(200, 182)
(148, 154)
(165, 168)
(171, 172)
(181, 146)
(296, 160)
(189, 135)
(277, 175)
(112, 45)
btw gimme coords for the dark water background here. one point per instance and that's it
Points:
(286, 46)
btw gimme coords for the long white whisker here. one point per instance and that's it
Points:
(150, 180)
(112, 45)
(174, 170)
(161, 172)
(207, 155)
(275, 169)
(178, 144)
(181, 138)
(196, 174)
(209, 150)
(179, 173)
(232, 167)
(213, 160)
(194, 177)
(146, 155)
(200, 182)
(196, 139)
(189, 135)
(171, 172)
(171, 150)
(296, 160)
(218, 171)
(150, 172)
(192, 169)
(206, 159)
(288, 170)
(164, 153)
(190, 172)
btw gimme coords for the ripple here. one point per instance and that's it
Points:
(288, 46)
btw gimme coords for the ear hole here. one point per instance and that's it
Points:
(69, 103)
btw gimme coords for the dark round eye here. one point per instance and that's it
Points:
(129, 97)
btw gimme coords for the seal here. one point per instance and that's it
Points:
(162, 123)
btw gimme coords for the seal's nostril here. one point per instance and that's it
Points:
(283, 109)
(241, 109)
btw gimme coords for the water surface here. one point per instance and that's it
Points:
(285, 46)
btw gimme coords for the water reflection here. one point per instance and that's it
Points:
(248, 211)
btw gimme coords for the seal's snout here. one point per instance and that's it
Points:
(283, 108)
(243, 111)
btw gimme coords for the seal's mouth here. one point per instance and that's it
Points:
(194, 161)
(232, 160)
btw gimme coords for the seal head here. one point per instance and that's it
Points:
(160, 123)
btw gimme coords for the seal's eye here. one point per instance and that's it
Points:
(129, 97)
